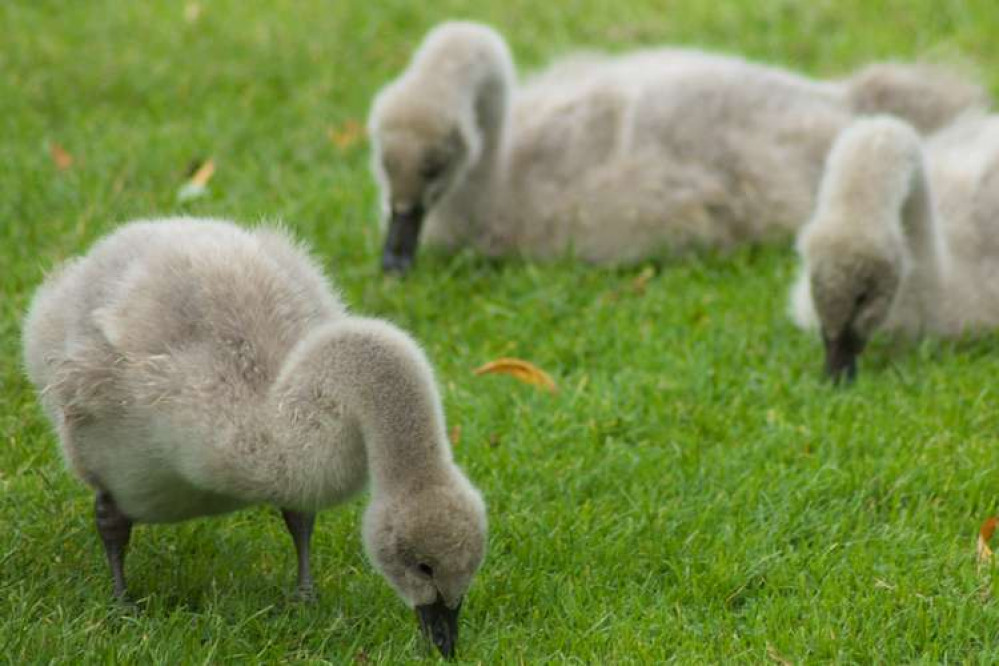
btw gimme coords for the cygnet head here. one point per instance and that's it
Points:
(854, 248)
(429, 543)
(420, 152)
(853, 290)
(431, 126)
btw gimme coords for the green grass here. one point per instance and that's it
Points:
(695, 492)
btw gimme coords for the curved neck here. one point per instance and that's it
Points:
(367, 376)
(924, 241)
(473, 67)
(490, 99)
(876, 186)
(470, 204)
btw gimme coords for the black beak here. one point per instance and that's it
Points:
(841, 356)
(440, 625)
(400, 244)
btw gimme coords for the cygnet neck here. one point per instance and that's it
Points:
(372, 374)
(925, 243)
(478, 72)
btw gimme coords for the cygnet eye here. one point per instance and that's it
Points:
(388, 161)
(426, 570)
(433, 168)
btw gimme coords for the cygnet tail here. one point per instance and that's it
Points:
(927, 96)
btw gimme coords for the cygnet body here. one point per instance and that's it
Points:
(192, 367)
(904, 237)
(615, 159)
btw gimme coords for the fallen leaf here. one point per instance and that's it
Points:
(204, 173)
(494, 440)
(642, 280)
(347, 134)
(60, 156)
(777, 656)
(984, 535)
(455, 435)
(637, 287)
(519, 369)
(192, 11)
(197, 184)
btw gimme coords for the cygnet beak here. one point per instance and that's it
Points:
(440, 625)
(403, 235)
(841, 356)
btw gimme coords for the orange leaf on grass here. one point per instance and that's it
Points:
(519, 369)
(192, 11)
(347, 134)
(637, 286)
(203, 174)
(60, 156)
(984, 536)
(777, 657)
(197, 185)
(642, 280)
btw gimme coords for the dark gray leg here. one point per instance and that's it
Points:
(115, 529)
(300, 526)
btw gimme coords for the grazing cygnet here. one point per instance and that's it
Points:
(192, 367)
(904, 237)
(615, 159)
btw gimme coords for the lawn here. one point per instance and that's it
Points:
(694, 492)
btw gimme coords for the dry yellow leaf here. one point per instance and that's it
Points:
(455, 435)
(197, 184)
(192, 11)
(777, 657)
(637, 287)
(642, 280)
(346, 135)
(203, 174)
(60, 156)
(984, 536)
(519, 369)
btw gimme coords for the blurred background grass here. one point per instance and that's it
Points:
(694, 492)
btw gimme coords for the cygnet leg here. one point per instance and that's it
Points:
(300, 526)
(115, 529)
